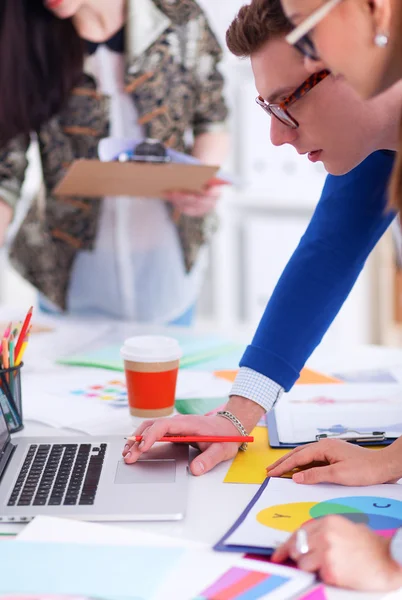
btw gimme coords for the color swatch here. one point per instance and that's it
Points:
(114, 392)
(243, 584)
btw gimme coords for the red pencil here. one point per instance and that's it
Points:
(187, 439)
(23, 332)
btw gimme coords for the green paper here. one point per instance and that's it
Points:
(198, 406)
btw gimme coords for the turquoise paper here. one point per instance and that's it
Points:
(111, 572)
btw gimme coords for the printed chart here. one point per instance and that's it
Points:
(241, 584)
(281, 506)
(248, 579)
(383, 515)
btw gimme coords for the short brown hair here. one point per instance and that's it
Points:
(255, 24)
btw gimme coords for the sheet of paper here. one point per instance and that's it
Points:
(250, 466)
(55, 530)
(201, 565)
(318, 593)
(309, 376)
(253, 579)
(273, 517)
(201, 384)
(98, 571)
(335, 409)
(109, 148)
(67, 397)
(201, 352)
(384, 375)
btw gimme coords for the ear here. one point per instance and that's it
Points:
(313, 66)
(381, 12)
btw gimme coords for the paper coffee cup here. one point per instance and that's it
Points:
(151, 364)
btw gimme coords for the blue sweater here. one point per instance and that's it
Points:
(350, 218)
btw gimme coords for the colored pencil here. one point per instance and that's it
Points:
(23, 332)
(21, 352)
(186, 439)
(5, 354)
(11, 361)
(7, 331)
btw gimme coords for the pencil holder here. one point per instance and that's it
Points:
(10, 397)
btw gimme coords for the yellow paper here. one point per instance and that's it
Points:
(250, 466)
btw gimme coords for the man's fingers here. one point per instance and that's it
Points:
(212, 456)
(305, 456)
(283, 458)
(139, 431)
(155, 430)
(328, 474)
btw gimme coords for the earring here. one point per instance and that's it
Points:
(381, 40)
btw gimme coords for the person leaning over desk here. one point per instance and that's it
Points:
(80, 70)
(327, 119)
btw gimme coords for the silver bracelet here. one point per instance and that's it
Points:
(235, 421)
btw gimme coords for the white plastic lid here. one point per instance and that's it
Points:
(151, 348)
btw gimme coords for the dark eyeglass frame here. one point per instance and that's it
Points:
(307, 48)
(280, 109)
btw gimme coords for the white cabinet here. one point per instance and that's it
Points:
(277, 173)
(269, 242)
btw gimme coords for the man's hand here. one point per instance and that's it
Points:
(211, 454)
(247, 411)
(340, 462)
(195, 204)
(6, 214)
(344, 554)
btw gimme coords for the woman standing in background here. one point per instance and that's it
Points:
(150, 70)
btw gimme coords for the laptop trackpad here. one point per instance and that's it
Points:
(146, 471)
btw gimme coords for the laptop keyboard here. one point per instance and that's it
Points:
(59, 474)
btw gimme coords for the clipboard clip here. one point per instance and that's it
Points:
(149, 150)
(352, 435)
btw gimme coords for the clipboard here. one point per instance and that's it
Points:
(374, 438)
(222, 546)
(124, 168)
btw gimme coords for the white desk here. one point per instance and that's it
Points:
(212, 506)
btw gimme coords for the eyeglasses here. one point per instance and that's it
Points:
(300, 38)
(279, 110)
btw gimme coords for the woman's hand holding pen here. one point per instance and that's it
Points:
(211, 454)
(195, 204)
(336, 461)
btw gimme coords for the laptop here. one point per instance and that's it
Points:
(86, 478)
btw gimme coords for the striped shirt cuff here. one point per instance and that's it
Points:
(257, 387)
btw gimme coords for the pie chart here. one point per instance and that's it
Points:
(382, 515)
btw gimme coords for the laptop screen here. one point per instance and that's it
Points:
(4, 435)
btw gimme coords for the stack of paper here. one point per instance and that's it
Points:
(149, 566)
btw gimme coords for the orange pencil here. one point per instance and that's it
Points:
(4, 353)
(23, 332)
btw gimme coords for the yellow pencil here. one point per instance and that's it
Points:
(21, 352)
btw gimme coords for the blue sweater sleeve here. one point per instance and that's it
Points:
(350, 218)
